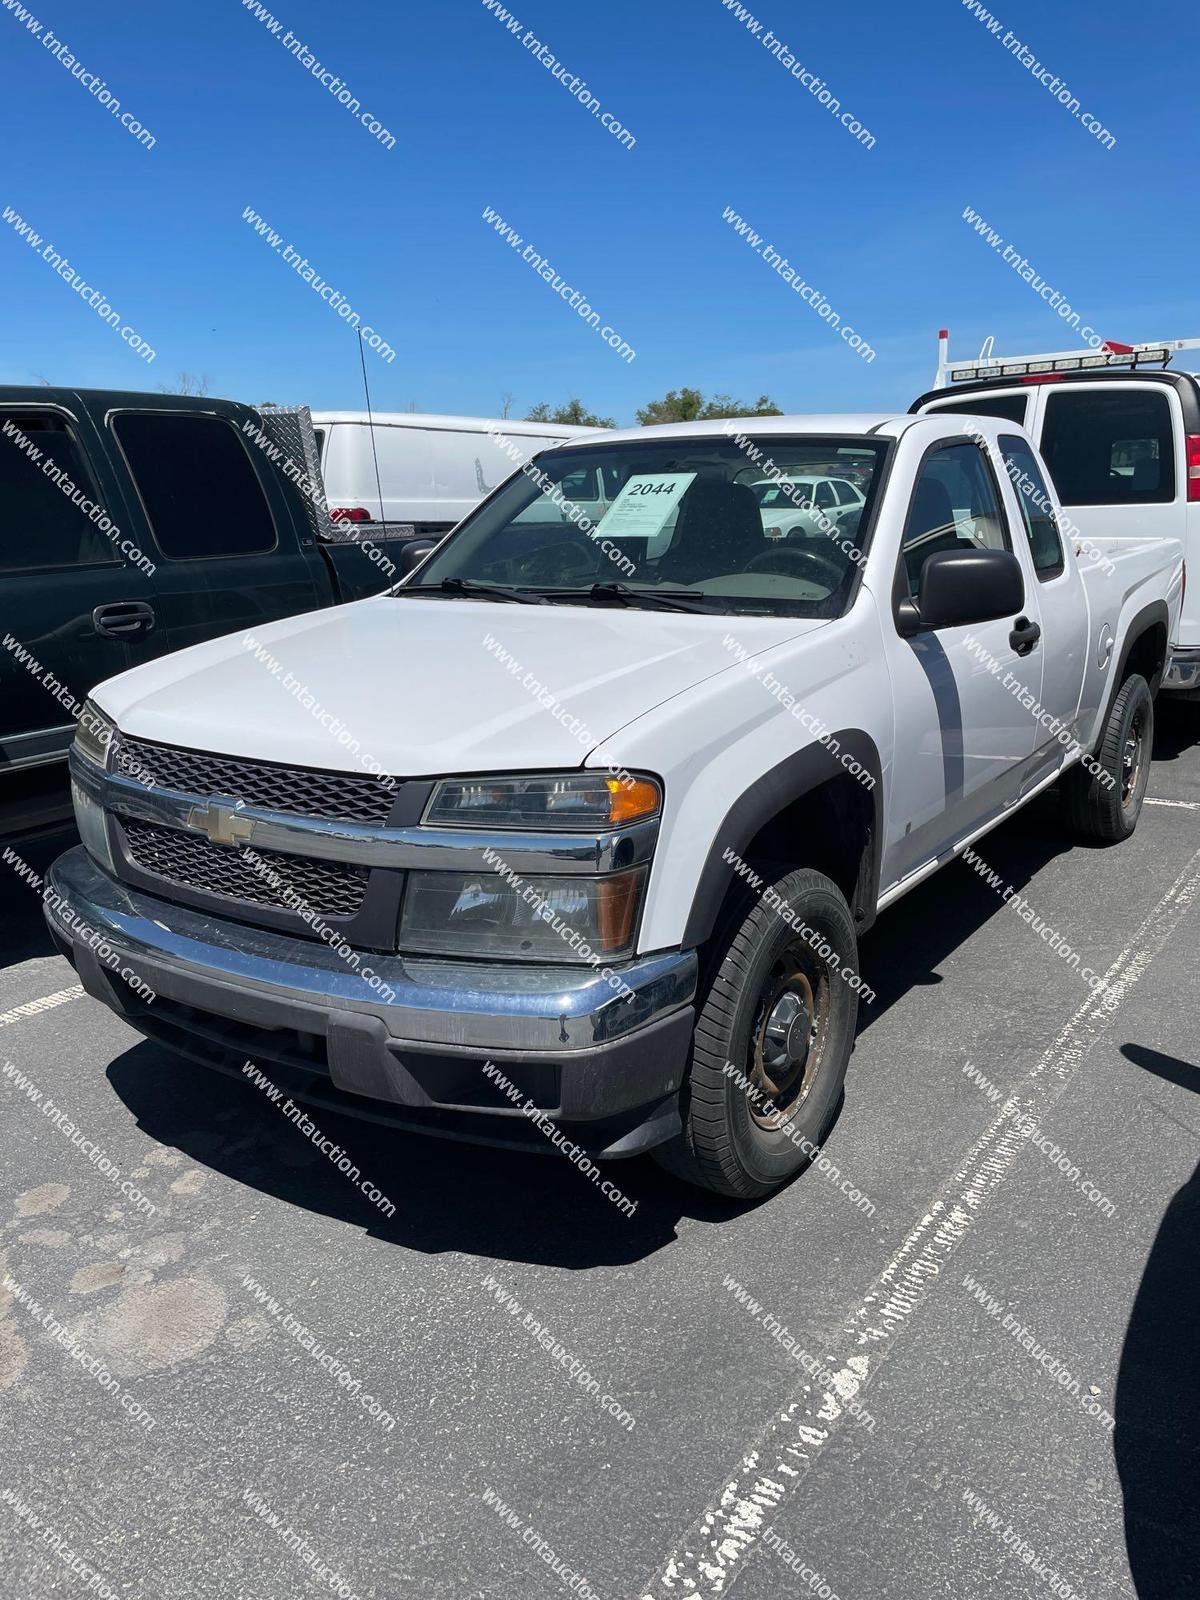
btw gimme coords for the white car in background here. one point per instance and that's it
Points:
(805, 505)
(432, 469)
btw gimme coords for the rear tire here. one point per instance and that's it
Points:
(1104, 804)
(782, 1015)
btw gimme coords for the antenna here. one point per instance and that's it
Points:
(371, 425)
(986, 348)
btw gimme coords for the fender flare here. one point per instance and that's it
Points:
(1140, 624)
(780, 786)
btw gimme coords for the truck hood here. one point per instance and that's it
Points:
(427, 687)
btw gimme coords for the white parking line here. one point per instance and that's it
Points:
(46, 1003)
(716, 1547)
(1182, 805)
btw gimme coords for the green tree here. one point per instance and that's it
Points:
(689, 405)
(574, 412)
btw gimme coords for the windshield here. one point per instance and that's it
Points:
(731, 523)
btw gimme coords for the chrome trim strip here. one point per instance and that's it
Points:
(463, 1005)
(417, 848)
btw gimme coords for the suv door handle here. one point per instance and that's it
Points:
(124, 619)
(1024, 636)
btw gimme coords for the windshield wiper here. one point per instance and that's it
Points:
(655, 599)
(470, 590)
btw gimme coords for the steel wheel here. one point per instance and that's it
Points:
(788, 1036)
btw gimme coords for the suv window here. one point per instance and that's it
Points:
(955, 506)
(1012, 407)
(197, 482)
(44, 487)
(1037, 511)
(1110, 447)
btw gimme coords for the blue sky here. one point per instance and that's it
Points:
(479, 122)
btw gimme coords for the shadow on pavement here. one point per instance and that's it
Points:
(933, 920)
(1176, 727)
(482, 1201)
(1157, 1437)
(25, 933)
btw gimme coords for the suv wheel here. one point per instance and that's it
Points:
(772, 1042)
(1104, 804)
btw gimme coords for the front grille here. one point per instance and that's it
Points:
(285, 883)
(332, 796)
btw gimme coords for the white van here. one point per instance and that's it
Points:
(432, 469)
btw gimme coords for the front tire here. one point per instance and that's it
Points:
(772, 1042)
(1104, 803)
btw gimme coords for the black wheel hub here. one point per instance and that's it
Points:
(787, 1038)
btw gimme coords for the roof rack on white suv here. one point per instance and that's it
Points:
(1154, 353)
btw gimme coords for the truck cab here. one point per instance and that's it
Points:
(1120, 435)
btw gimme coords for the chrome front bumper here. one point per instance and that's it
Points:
(1183, 671)
(225, 991)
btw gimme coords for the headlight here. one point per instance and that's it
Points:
(534, 919)
(94, 735)
(581, 801)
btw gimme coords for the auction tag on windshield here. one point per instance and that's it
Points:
(644, 504)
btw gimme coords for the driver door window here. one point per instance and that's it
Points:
(955, 506)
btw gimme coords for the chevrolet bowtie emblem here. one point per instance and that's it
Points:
(221, 821)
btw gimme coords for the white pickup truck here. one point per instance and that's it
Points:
(578, 826)
(1120, 434)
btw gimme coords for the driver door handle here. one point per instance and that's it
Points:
(1024, 635)
(124, 619)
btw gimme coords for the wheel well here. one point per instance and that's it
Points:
(1148, 655)
(829, 828)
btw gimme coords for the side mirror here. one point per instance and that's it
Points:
(961, 587)
(413, 554)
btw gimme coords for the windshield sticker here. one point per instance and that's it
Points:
(644, 504)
